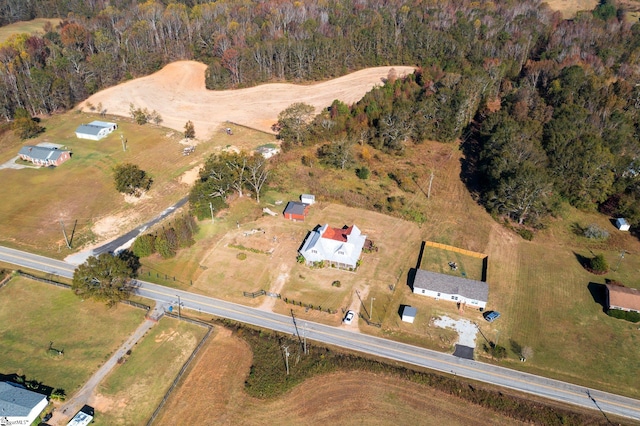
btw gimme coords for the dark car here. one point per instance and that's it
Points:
(491, 316)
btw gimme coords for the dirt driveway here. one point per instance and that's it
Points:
(178, 93)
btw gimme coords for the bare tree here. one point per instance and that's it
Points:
(258, 173)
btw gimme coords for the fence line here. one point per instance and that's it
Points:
(455, 249)
(183, 369)
(254, 294)
(44, 280)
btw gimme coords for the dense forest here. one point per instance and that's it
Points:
(546, 109)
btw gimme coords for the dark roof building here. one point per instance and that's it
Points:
(296, 210)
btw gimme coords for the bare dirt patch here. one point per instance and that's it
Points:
(191, 176)
(109, 226)
(179, 94)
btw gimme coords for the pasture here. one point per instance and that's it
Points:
(38, 202)
(35, 26)
(35, 316)
(131, 393)
(539, 286)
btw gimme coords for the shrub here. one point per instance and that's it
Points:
(525, 233)
(598, 264)
(241, 256)
(593, 231)
(336, 283)
(144, 245)
(628, 316)
(130, 179)
(363, 172)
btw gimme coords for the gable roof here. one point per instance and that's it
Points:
(470, 289)
(16, 401)
(334, 244)
(94, 127)
(624, 297)
(294, 207)
(41, 153)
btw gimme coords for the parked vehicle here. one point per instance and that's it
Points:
(348, 319)
(491, 316)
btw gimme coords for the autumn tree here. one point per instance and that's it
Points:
(25, 126)
(105, 278)
(293, 123)
(189, 130)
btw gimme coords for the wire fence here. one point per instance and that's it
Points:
(455, 249)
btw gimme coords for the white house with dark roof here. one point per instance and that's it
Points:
(341, 248)
(95, 130)
(454, 289)
(43, 155)
(19, 406)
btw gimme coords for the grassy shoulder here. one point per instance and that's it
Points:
(35, 317)
(267, 379)
(133, 391)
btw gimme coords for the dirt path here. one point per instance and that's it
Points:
(179, 94)
(64, 413)
(269, 302)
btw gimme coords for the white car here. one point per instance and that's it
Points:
(349, 317)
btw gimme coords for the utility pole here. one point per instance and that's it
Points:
(430, 182)
(211, 208)
(286, 357)
(66, 240)
(296, 327)
(179, 303)
(124, 142)
(304, 338)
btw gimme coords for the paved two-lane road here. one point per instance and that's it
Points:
(524, 382)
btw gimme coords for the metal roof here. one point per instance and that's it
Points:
(16, 401)
(470, 289)
(409, 311)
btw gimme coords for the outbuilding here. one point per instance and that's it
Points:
(296, 211)
(622, 224)
(95, 130)
(409, 314)
(308, 199)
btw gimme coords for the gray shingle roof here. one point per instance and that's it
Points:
(41, 153)
(470, 289)
(16, 401)
(89, 129)
(294, 207)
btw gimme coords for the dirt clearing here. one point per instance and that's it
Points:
(179, 94)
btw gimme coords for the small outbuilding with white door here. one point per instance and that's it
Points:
(308, 199)
(622, 224)
(409, 314)
(95, 130)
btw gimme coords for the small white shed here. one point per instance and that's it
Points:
(409, 314)
(308, 198)
(622, 224)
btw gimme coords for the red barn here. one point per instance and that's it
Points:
(296, 211)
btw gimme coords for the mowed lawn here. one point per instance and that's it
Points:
(35, 314)
(132, 392)
(38, 202)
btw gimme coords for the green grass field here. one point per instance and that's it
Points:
(25, 27)
(33, 314)
(133, 391)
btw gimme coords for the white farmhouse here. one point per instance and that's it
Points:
(341, 248)
(454, 289)
(95, 130)
(20, 406)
